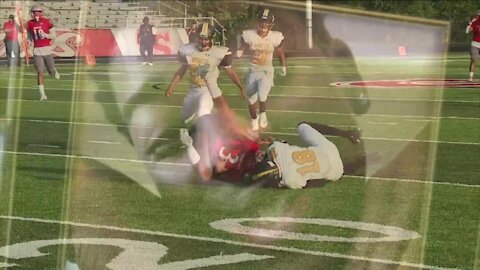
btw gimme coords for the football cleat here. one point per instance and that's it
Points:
(43, 98)
(57, 75)
(255, 124)
(150, 64)
(263, 120)
(354, 135)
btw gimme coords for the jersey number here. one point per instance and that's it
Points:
(259, 57)
(36, 34)
(306, 157)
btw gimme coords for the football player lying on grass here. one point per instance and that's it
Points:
(219, 154)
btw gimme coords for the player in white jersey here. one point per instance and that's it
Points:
(294, 167)
(203, 60)
(262, 43)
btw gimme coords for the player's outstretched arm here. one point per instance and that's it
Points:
(353, 135)
(281, 57)
(177, 77)
(243, 46)
(232, 74)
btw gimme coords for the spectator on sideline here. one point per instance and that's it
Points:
(146, 40)
(12, 47)
(474, 26)
(192, 33)
(42, 33)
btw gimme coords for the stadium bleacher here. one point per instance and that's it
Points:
(90, 14)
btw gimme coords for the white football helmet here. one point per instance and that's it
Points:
(36, 12)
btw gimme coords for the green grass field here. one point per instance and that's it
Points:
(96, 175)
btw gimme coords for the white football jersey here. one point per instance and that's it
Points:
(297, 165)
(262, 48)
(203, 66)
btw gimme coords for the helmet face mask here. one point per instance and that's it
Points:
(205, 34)
(265, 21)
(36, 12)
(266, 172)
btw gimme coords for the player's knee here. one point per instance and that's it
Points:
(303, 124)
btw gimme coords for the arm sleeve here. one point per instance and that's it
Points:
(310, 135)
(278, 39)
(52, 34)
(227, 60)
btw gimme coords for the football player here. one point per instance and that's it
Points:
(220, 154)
(295, 167)
(218, 151)
(262, 42)
(202, 59)
(42, 33)
(474, 26)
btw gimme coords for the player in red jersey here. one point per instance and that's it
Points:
(218, 151)
(11, 29)
(41, 33)
(219, 154)
(474, 27)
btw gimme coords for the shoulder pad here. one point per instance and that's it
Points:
(276, 37)
(220, 51)
(248, 35)
(187, 49)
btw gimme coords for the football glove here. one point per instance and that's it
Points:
(185, 137)
(239, 53)
(283, 71)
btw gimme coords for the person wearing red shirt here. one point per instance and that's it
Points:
(42, 33)
(474, 27)
(12, 47)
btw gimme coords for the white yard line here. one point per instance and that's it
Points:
(165, 83)
(230, 242)
(278, 111)
(152, 138)
(275, 133)
(44, 145)
(386, 139)
(362, 178)
(382, 123)
(421, 120)
(187, 164)
(160, 92)
(103, 142)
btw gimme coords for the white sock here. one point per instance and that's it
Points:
(471, 74)
(41, 89)
(193, 155)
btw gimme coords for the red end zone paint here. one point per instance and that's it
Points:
(409, 83)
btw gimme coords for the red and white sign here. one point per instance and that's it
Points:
(109, 42)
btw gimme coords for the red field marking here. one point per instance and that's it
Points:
(409, 83)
